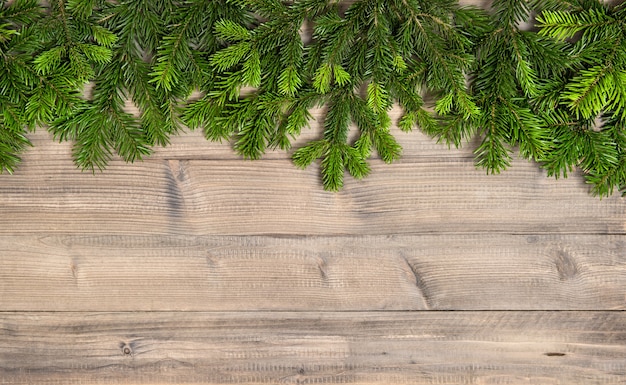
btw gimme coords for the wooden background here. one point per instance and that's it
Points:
(195, 266)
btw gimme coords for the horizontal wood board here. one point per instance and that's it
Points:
(220, 273)
(307, 348)
(236, 197)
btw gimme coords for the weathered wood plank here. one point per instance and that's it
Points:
(365, 348)
(219, 273)
(273, 197)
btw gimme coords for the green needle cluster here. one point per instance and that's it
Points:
(555, 94)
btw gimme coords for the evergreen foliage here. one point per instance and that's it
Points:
(556, 94)
(586, 105)
(18, 80)
(505, 82)
(358, 64)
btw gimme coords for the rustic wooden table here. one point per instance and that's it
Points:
(195, 266)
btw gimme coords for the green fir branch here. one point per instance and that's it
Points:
(556, 95)
(18, 80)
(508, 78)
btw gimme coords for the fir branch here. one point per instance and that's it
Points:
(179, 59)
(541, 93)
(390, 57)
(594, 86)
(507, 80)
(12, 135)
(566, 24)
(124, 29)
(612, 176)
(18, 79)
(140, 28)
(261, 119)
(69, 41)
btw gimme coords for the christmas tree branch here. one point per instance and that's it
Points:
(556, 95)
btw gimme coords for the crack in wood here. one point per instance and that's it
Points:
(174, 194)
(419, 284)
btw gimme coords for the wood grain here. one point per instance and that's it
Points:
(218, 273)
(273, 197)
(305, 348)
(198, 267)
